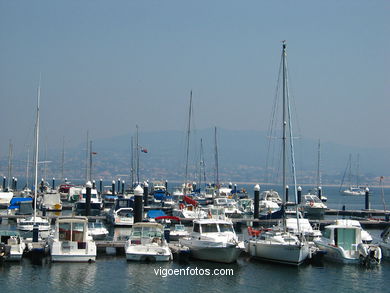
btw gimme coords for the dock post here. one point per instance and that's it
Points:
(93, 184)
(146, 193)
(88, 199)
(15, 184)
(230, 185)
(320, 192)
(235, 188)
(287, 193)
(35, 232)
(299, 195)
(4, 182)
(119, 185)
(53, 184)
(123, 187)
(101, 185)
(367, 206)
(138, 206)
(113, 187)
(166, 186)
(256, 204)
(42, 185)
(194, 186)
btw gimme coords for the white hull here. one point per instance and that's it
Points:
(73, 258)
(338, 254)
(385, 249)
(148, 253)
(5, 199)
(282, 253)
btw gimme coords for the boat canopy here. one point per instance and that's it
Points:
(155, 213)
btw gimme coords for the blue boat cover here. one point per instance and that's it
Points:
(155, 213)
(14, 204)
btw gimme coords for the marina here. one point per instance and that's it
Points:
(194, 146)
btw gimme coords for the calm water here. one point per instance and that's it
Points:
(115, 274)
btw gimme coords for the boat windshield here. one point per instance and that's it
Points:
(71, 232)
(146, 232)
(225, 228)
(209, 228)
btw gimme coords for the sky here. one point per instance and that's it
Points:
(106, 66)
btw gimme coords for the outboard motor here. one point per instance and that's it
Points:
(370, 254)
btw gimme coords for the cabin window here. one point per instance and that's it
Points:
(196, 228)
(77, 232)
(345, 238)
(64, 232)
(225, 228)
(209, 228)
(326, 233)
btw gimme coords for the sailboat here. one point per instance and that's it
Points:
(352, 190)
(277, 244)
(28, 224)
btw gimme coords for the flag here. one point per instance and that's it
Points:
(144, 150)
(94, 153)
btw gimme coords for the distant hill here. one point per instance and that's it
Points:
(242, 158)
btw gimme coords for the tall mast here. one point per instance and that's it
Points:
(188, 143)
(10, 154)
(63, 158)
(319, 164)
(216, 158)
(90, 160)
(284, 119)
(87, 157)
(357, 170)
(132, 162)
(202, 167)
(27, 165)
(36, 151)
(137, 154)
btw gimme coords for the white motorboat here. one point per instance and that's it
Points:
(189, 212)
(384, 243)
(213, 240)
(178, 232)
(5, 198)
(366, 237)
(27, 224)
(271, 195)
(312, 205)
(11, 246)
(97, 230)
(121, 217)
(51, 201)
(343, 243)
(147, 243)
(356, 191)
(71, 242)
(96, 203)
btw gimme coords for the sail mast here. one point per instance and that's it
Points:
(284, 120)
(188, 143)
(216, 158)
(36, 151)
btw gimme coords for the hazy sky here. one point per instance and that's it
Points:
(109, 65)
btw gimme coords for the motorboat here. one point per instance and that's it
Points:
(5, 198)
(213, 240)
(97, 230)
(96, 203)
(71, 241)
(311, 205)
(12, 246)
(384, 243)
(122, 217)
(178, 231)
(27, 224)
(51, 201)
(343, 243)
(366, 237)
(356, 191)
(271, 195)
(147, 243)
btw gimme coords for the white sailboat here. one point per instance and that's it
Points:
(277, 244)
(28, 224)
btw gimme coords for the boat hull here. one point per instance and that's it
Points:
(293, 254)
(73, 258)
(335, 254)
(138, 253)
